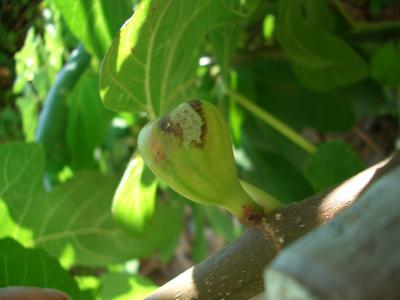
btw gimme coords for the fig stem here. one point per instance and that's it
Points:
(267, 202)
(272, 121)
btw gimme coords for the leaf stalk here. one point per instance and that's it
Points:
(272, 121)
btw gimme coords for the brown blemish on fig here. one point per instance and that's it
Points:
(198, 107)
(156, 150)
(187, 123)
(159, 156)
(166, 125)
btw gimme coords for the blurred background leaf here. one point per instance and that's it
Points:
(75, 218)
(52, 124)
(87, 121)
(119, 286)
(95, 22)
(320, 60)
(134, 200)
(22, 166)
(385, 65)
(333, 163)
(20, 266)
(326, 72)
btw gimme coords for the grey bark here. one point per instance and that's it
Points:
(236, 272)
(356, 256)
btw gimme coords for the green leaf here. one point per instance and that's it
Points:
(134, 200)
(52, 125)
(88, 121)
(21, 166)
(224, 41)
(277, 176)
(31, 267)
(78, 215)
(321, 60)
(199, 248)
(36, 65)
(268, 26)
(151, 65)
(120, 286)
(274, 87)
(95, 22)
(385, 65)
(263, 138)
(28, 102)
(89, 285)
(319, 14)
(333, 162)
(74, 216)
(221, 223)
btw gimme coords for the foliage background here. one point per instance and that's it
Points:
(310, 91)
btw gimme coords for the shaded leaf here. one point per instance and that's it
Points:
(263, 138)
(52, 124)
(87, 122)
(277, 176)
(321, 60)
(332, 163)
(134, 201)
(151, 64)
(199, 247)
(319, 14)
(385, 65)
(276, 89)
(31, 267)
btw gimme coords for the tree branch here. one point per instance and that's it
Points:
(360, 246)
(236, 272)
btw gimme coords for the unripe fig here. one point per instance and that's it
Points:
(190, 150)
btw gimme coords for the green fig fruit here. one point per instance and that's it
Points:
(190, 150)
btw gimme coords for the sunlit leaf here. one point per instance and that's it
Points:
(89, 286)
(75, 217)
(31, 267)
(21, 166)
(134, 200)
(268, 26)
(119, 286)
(90, 228)
(151, 64)
(95, 22)
(36, 65)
